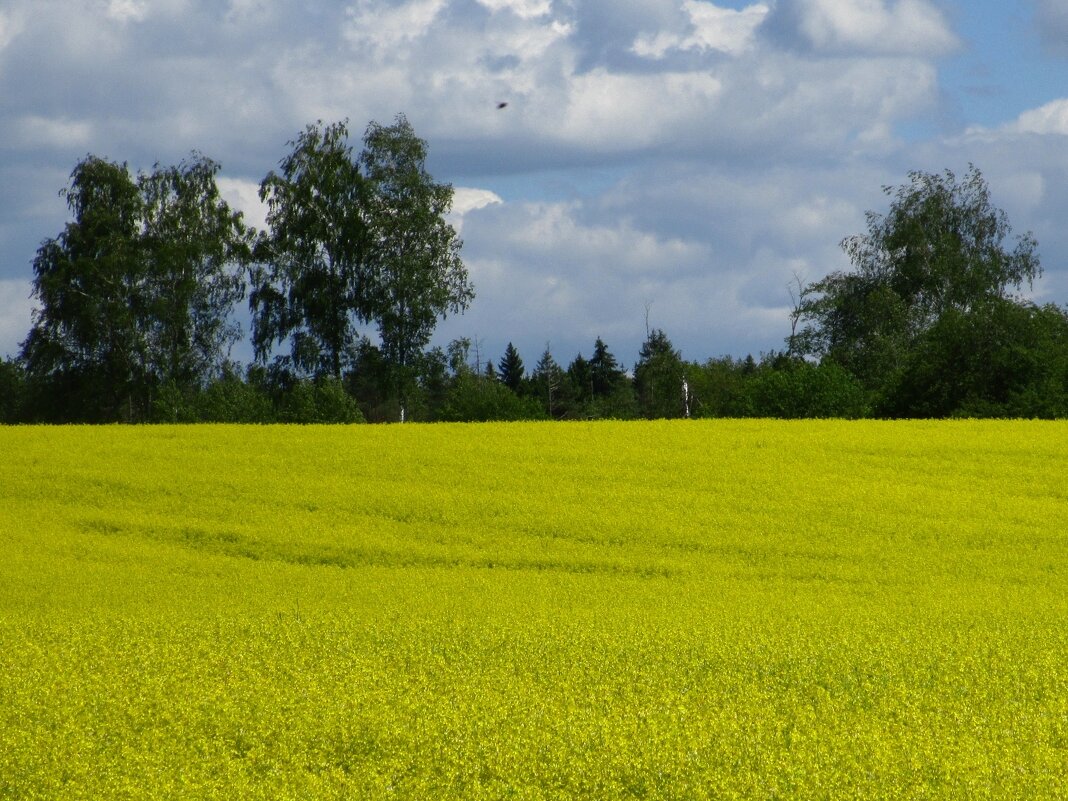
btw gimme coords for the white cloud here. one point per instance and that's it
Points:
(383, 29)
(693, 104)
(1024, 190)
(127, 10)
(617, 247)
(244, 196)
(542, 273)
(448, 70)
(688, 154)
(467, 199)
(624, 111)
(568, 272)
(802, 108)
(525, 9)
(888, 27)
(712, 28)
(10, 26)
(36, 131)
(724, 28)
(241, 10)
(1051, 118)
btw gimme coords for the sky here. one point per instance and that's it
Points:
(673, 164)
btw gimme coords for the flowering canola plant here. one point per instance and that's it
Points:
(660, 610)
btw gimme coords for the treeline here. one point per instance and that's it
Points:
(930, 323)
(452, 385)
(137, 295)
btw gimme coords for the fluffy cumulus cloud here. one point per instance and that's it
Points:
(1051, 118)
(583, 80)
(709, 253)
(896, 27)
(466, 200)
(244, 195)
(571, 277)
(526, 9)
(383, 29)
(710, 28)
(1025, 162)
(686, 156)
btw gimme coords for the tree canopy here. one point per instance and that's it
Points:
(135, 292)
(310, 286)
(136, 297)
(415, 275)
(511, 369)
(356, 239)
(940, 248)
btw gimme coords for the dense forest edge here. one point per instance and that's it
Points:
(136, 300)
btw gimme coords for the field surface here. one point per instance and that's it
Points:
(677, 610)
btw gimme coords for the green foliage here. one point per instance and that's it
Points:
(511, 369)
(598, 388)
(941, 249)
(135, 292)
(800, 389)
(323, 400)
(720, 387)
(356, 239)
(858, 323)
(658, 378)
(87, 347)
(369, 383)
(606, 376)
(173, 404)
(942, 246)
(135, 298)
(480, 398)
(620, 403)
(549, 385)
(311, 285)
(231, 400)
(264, 396)
(999, 359)
(195, 247)
(414, 272)
(13, 392)
(580, 377)
(433, 387)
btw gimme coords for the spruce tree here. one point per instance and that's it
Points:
(581, 377)
(658, 377)
(548, 380)
(510, 369)
(606, 373)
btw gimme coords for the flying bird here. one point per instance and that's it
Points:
(502, 104)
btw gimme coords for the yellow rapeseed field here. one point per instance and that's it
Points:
(676, 610)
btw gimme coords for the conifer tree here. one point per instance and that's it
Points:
(581, 378)
(548, 379)
(605, 370)
(658, 377)
(511, 370)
